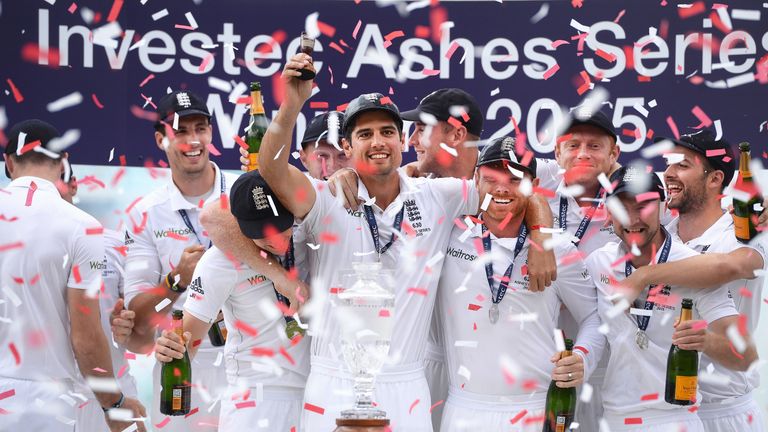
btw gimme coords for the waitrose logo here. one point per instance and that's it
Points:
(179, 232)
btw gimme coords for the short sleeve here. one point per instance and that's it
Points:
(87, 260)
(210, 288)
(142, 264)
(714, 303)
(548, 173)
(323, 201)
(457, 196)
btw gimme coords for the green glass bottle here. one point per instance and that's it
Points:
(560, 407)
(256, 128)
(744, 215)
(218, 333)
(176, 378)
(682, 368)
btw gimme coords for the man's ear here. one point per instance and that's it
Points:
(303, 158)
(347, 147)
(159, 140)
(459, 135)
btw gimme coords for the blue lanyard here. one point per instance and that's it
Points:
(374, 227)
(643, 321)
(288, 263)
(188, 223)
(584, 224)
(498, 295)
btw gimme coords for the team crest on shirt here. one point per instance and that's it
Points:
(414, 217)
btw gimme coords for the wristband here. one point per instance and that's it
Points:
(172, 285)
(117, 404)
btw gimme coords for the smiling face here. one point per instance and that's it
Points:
(690, 182)
(504, 188)
(643, 221)
(587, 153)
(187, 149)
(376, 144)
(323, 159)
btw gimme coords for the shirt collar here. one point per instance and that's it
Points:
(26, 181)
(710, 235)
(177, 199)
(407, 187)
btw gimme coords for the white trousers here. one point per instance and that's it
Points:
(740, 414)
(208, 383)
(437, 379)
(276, 411)
(400, 391)
(655, 421)
(90, 417)
(37, 406)
(471, 412)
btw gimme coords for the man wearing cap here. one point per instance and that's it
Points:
(700, 166)
(494, 354)
(50, 276)
(266, 370)
(165, 241)
(111, 309)
(632, 397)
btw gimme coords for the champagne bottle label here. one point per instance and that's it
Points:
(223, 329)
(560, 424)
(741, 226)
(253, 161)
(685, 387)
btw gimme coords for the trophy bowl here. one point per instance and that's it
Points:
(364, 311)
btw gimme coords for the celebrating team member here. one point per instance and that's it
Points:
(54, 319)
(165, 242)
(695, 183)
(485, 352)
(642, 341)
(111, 309)
(264, 366)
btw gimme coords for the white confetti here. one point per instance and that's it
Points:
(578, 26)
(277, 155)
(641, 312)
(495, 91)
(718, 128)
(313, 246)
(486, 202)
(272, 205)
(159, 14)
(191, 20)
(160, 306)
(673, 158)
(219, 358)
(121, 414)
(739, 80)
(268, 309)
(746, 14)
(68, 101)
(605, 182)
(59, 144)
(12, 296)
(526, 187)
(296, 155)
(435, 259)
(541, 14)
(111, 154)
(736, 339)
(652, 103)
(465, 344)
(559, 341)
(450, 150)
(102, 385)
(310, 25)
(464, 372)
(657, 149)
(106, 35)
(263, 423)
(617, 210)
(617, 309)
(219, 84)
(586, 393)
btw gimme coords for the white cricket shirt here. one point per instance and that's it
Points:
(257, 350)
(430, 206)
(48, 246)
(723, 383)
(481, 356)
(635, 374)
(156, 241)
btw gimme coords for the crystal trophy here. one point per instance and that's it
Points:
(364, 311)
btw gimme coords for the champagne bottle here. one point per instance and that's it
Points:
(256, 128)
(176, 378)
(682, 368)
(560, 407)
(218, 333)
(743, 211)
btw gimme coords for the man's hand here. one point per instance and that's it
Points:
(169, 346)
(296, 291)
(763, 220)
(187, 264)
(346, 178)
(690, 335)
(244, 161)
(542, 265)
(412, 170)
(634, 285)
(568, 371)
(121, 320)
(138, 412)
(297, 91)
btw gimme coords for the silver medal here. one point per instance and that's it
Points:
(493, 313)
(641, 339)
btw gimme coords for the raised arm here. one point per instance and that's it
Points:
(292, 187)
(542, 266)
(698, 272)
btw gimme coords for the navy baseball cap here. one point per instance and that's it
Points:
(181, 102)
(320, 125)
(249, 201)
(598, 119)
(34, 130)
(502, 149)
(636, 180)
(371, 102)
(439, 104)
(718, 153)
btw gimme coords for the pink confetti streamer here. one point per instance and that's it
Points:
(551, 71)
(16, 93)
(673, 126)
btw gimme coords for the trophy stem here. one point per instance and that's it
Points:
(364, 391)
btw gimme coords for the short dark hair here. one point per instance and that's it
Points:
(353, 122)
(708, 168)
(160, 127)
(34, 158)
